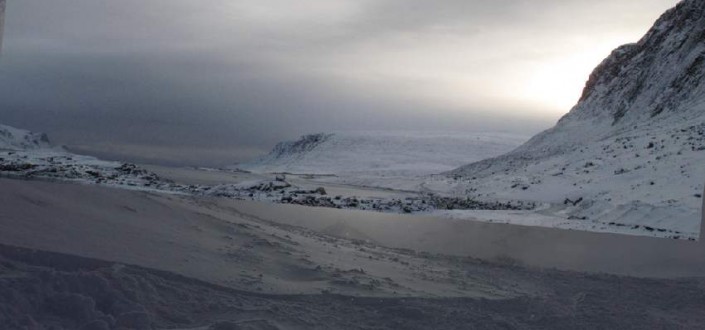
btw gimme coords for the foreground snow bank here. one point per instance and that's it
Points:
(45, 290)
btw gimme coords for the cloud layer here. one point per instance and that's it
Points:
(179, 77)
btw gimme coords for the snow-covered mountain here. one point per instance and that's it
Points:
(28, 155)
(18, 139)
(631, 152)
(382, 154)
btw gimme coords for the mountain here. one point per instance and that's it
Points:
(381, 154)
(18, 139)
(28, 155)
(631, 150)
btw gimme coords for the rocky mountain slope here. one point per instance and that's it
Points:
(630, 153)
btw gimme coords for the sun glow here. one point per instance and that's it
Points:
(557, 83)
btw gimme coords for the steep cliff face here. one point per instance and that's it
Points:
(659, 75)
(635, 139)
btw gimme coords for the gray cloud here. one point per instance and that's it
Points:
(2, 22)
(218, 81)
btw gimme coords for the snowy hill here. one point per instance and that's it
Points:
(28, 155)
(382, 154)
(18, 139)
(630, 153)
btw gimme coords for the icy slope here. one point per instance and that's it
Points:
(17, 139)
(382, 154)
(631, 151)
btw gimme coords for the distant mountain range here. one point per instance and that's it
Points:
(382, 154)
(18, 139)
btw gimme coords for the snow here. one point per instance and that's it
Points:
(382, 154)
(646, 177)
(88, 257)
(165, 254)
(17, 139)
(626, 159)
(631, 150)
(639, 181)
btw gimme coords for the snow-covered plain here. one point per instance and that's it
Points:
(125, 259)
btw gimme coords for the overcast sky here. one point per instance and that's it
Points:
(219, 81)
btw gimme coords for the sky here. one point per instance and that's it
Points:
(2, 21)
(221, 81)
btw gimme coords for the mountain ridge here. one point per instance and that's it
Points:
(622, 93)
(630, 149)
(18, 139)
(381, 153)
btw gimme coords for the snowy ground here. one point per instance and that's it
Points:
(185, 248)
(160, 261)
(197, 248)
(41, 293)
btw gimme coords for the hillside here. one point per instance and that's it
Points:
(18, 139)
(28, 155)
(381, 154)
(630, 153)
